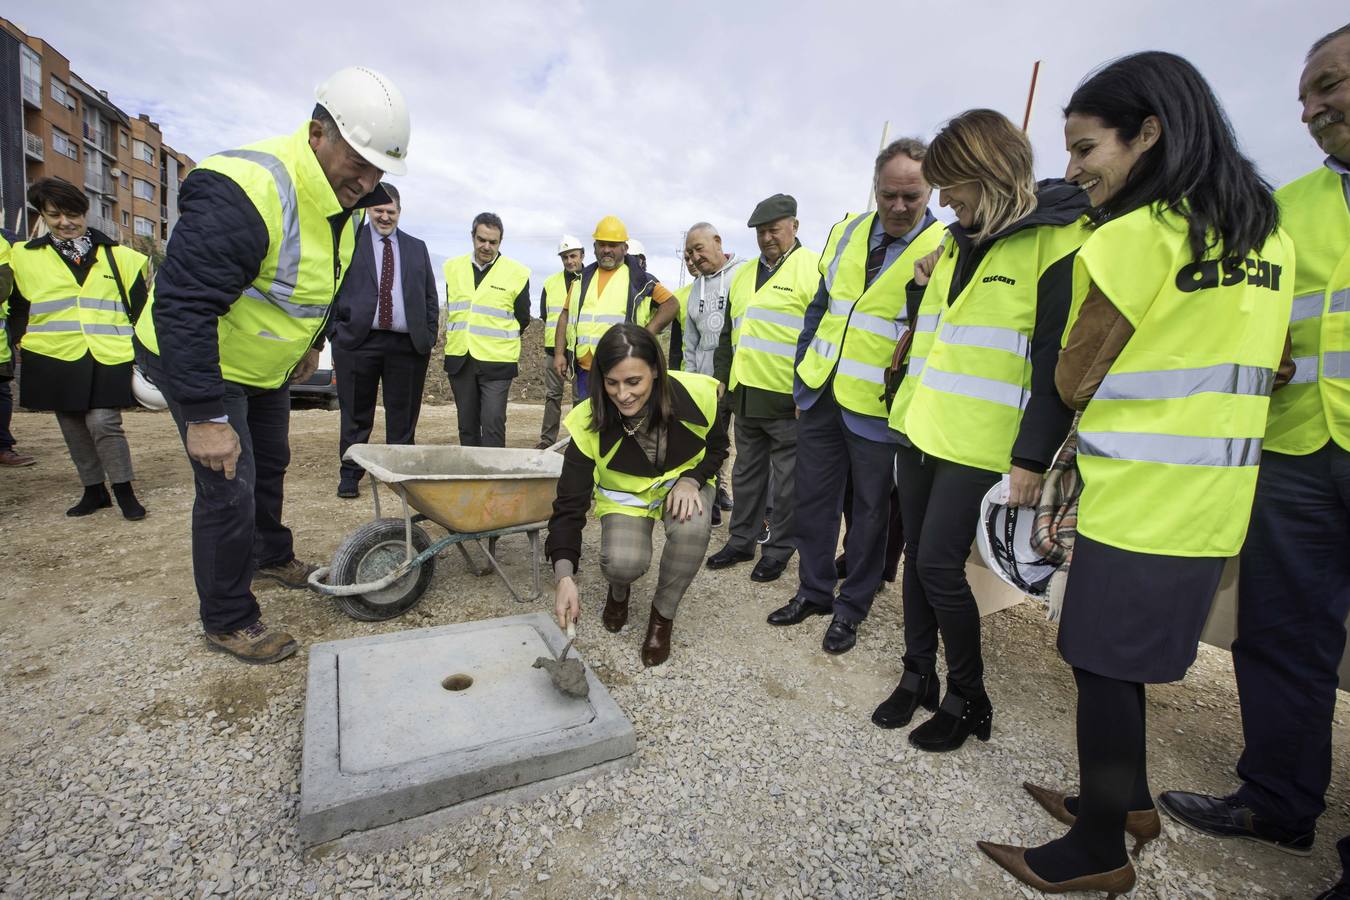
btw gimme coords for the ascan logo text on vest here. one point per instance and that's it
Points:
(1212, 273)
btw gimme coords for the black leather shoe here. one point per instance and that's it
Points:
(347, 490)
(796, 611)
(723, 500)
(915, 690)
(957, 719)
(1227, 817)
(840, 637)
(716, 516)
(729, 556)
(1339, 892)
(768, 569)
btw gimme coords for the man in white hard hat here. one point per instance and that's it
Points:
(264, 236)
(552, 301)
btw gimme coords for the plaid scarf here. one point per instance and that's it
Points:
(1057, 513)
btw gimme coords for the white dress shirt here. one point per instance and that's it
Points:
(400, 317)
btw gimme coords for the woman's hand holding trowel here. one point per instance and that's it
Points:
(567, 604)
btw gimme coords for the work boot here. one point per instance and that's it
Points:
(723, 500)
(14, 459)
(615, 615)
(127, 502)
(254, 644)
(543, 444)
(95, 498)
(656, 648)
(293, 574)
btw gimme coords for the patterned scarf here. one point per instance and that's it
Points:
(76, 249)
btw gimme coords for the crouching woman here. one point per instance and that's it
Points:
(646, 445)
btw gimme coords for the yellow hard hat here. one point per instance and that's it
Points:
(611, 228)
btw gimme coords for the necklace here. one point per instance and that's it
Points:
(634, 429)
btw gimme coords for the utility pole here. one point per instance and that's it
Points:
(679, 255)
(872, 188)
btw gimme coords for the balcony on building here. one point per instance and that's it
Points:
(32, 92)
(32, 146)
(107, 226)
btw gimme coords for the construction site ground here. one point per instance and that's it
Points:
(134, 762)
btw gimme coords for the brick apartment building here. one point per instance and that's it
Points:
(53, 122)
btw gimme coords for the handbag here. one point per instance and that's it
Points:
(895, 372)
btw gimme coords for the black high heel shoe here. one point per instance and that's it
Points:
(916, 689)
(957, 719)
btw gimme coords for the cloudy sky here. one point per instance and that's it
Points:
(555, 114)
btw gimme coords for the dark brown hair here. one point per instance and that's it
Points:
(58, 194)
(619, 343)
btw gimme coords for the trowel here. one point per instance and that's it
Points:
(568, 675)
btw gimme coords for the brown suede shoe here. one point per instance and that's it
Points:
(615, 615)
(13, 458)
(254, 644)
(293, 574)
(656, 648)
(1014, 861)
(1143, 825)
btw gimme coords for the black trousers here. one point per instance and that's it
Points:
(386, 359)
(236, 522)
(6, 412)
(827, 451)
(940, 506)
(480, 406)
(1293, 598)
(895, 529)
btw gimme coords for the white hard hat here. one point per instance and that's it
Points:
(635, 248)
(145, 392)
(569, 242)
(1004, 541)
(371, 115)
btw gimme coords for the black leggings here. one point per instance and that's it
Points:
(1112, 777)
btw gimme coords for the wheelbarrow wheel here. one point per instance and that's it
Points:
(368, 554)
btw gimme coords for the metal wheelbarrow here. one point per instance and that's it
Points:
(382, 569)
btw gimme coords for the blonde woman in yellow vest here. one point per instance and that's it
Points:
(646, 446)
(978, 399)
(1182, 296)
(1294, 577)
(76, 294)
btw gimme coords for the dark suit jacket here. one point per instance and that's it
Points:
(354, 306)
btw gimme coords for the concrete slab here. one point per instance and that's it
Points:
(401, 725)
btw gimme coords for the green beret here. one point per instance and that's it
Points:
(779, 206)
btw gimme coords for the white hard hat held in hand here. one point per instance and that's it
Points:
(569, 242)
(635, 248)
(371, 116)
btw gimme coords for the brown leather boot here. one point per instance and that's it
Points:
(1142, 824)
(615, 615)
(656, 648)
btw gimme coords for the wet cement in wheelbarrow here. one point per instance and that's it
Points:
(402, 725)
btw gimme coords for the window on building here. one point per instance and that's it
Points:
(143, 190)
(61, 143)
(126, 219)
(143, 151)
(145, 227)
(61, 94)
(122, 139)
(126, 180)
(30, 68)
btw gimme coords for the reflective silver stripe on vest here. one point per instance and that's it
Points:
(1172, 449)
(777, 348)
(104, 305)
(1340, 301)
(603, 318)
(587, 340)
(774, 317)
(288, 252)
(455, 326)
(887, 328)
(508, 334)
(1309, 306)
(736, 323)
(999, 392)
(840, 307)
(1007, 339)
(623, 498)
(862, 371)
(824, 347)
(916, 364)
(457, 306)
(1172, 384)
(55, 326)
(1305, 370)
(495, 312)
(4, 326)
(926, 323)
(118, 330)
(839, 248)
(47, 307)
(1336, 365)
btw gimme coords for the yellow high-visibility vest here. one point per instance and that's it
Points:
(68, 319)
(481, 321)
(637, 495)
(1168, 447)
(5, 354)
(623, 300)
(555, 298)
(275, 321)
(856, 337)
(766, 323)
(968, 373)
(1314, 406)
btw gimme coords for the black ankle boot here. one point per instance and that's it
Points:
(915, 689)
(957, 718)
(126, 500)
(95, 497)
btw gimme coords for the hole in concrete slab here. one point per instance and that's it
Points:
(457, 682)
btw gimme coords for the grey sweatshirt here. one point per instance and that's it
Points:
(709, 305)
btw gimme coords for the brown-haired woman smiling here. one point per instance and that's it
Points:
(647, 444)
(76, 293)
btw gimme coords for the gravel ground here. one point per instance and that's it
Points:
(134, 763)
